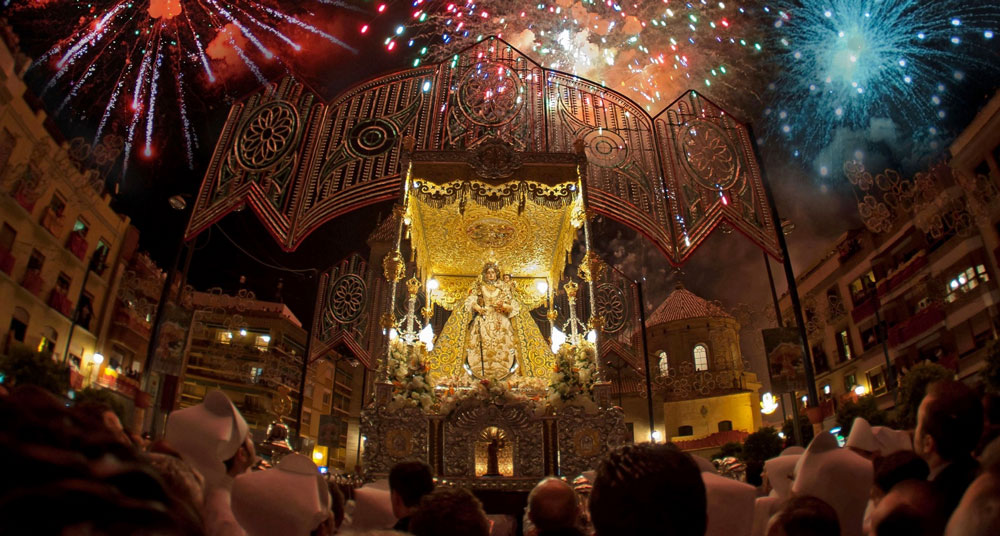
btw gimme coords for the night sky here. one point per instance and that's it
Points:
(803, 163)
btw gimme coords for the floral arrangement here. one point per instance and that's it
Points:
(457, 389)
(573, 375)
(409, 375)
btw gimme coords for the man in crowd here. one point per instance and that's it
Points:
(408, 483)
(949, 425)
(553, 508)
(647, 489)
(449, 512)
(804, 515)
(214, 438)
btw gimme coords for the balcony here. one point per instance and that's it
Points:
(6, 261)
(916, 324)
(863, 311)
(129, 387)
(60, 302)
(25, 196)
(77, 245)
(33, 282)
(904, 273)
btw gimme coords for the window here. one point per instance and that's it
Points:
(876, 379)
(19, 323)
(309, 390)
(844, 346)
(965, 281)
(36, 261)
(344, 377)
(725, 426)
(86, 313)
(630, 432)
(256, 373)
(685, 430)
(63, 282)
(224, 337)
(101, 252)
(850, 380)
(7, 237)
(326, 398)
(859, 288)
(57, 205)
(81, 227)
(700, 357)
(820, 363)
(306, 417)
(262, 342)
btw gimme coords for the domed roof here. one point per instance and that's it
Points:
(683, 304)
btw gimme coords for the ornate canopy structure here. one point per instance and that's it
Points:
(298, 162)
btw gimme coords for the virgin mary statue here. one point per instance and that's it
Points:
(491, 345)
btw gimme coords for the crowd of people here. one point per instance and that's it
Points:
(76, 470)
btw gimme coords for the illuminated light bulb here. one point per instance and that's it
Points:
(432, 284)
(393, 334)
(542, 287)
(97, 358)
(861, 390)
(657, 436)
(243, 333)
(592, 336)
(558, 339)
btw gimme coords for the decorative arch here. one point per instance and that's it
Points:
(298, 162)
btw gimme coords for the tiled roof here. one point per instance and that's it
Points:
(683, 304)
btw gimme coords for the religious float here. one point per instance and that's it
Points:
(488, 393)
(479, 311)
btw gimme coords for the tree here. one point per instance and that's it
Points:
(805, 427)
(103, 397)
(912, 390)
(762, 445)
(867, 408)
(23, 366)
(729, 449)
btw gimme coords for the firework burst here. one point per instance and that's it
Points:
(650, 51)
(134, 64)
(847, 62)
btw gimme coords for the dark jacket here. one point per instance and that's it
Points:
(954, 479)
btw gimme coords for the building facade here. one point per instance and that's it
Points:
(254, 351)
(63, 249)
(917, 284)
(703, 394)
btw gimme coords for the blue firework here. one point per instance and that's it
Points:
(846, 62)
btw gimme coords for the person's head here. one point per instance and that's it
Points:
(645, 488)
(243, 459)
(336, 504)
(911, 507)
(408, 482)
(450, 512)
(978, 514)
(211, 436)
(292, 498)
(491, 272)
(804, 515)
(101, 414)
(552, 505)
(895, 468)
(949, 422)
